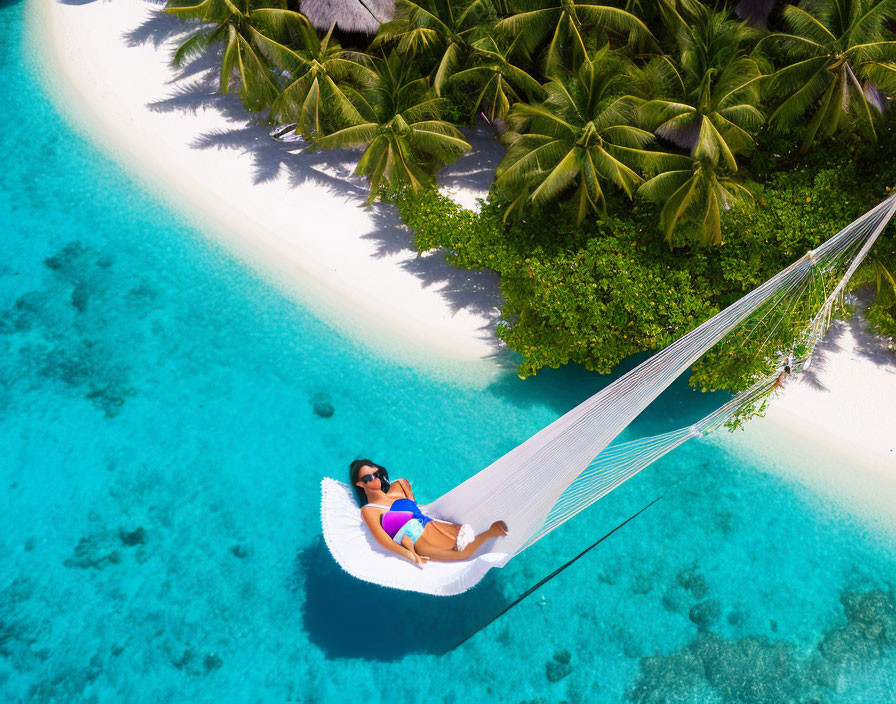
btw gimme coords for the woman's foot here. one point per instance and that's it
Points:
(498, 530)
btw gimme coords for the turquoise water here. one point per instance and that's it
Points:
(159, 538)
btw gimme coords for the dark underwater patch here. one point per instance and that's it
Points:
(758, 670)
(67, 323)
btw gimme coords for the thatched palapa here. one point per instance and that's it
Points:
(348, 15)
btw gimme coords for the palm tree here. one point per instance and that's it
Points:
(711, 118)
(440, 30)
(323, 76)
(569, 24)
(717, 87)
(498, 80)
(579, 138)
(839, 55)
(233, 24)
(695, 189)
(404, 140)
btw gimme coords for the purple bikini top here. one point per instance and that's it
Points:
(399, 513)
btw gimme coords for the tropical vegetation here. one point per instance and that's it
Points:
(662, 158)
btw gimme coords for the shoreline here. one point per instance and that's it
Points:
(352, 265)
(200, 151)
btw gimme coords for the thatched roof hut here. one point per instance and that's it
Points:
(363, 16)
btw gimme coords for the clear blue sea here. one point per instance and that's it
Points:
(159, 468)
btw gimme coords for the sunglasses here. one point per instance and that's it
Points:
(367, 478)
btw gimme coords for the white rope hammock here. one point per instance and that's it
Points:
(570, 460)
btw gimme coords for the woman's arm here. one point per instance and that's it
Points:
(372, 520)
(406, 488)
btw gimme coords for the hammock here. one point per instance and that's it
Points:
(570, 458)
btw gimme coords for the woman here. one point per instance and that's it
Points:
(782, 377)
(398, 524)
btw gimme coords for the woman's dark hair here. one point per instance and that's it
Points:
(354, 469)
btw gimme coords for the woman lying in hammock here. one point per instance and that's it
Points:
(398, 524)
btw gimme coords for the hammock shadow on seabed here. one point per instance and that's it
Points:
(337, 606)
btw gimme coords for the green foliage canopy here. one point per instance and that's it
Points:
(235, 24)
(322, 78)
(598, 293)
(580, 137)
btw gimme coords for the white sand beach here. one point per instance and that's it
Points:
(302, 218)
(848, 395)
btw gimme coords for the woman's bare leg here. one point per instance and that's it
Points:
(437, 538)
(449, 529)
(441, 554)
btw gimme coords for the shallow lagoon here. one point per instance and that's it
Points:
(160, 469)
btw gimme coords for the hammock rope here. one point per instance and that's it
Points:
(571, 460)
(540, 583)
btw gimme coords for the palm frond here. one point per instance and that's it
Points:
(806, 26)
(348, 137)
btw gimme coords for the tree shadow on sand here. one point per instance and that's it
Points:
(195, 87)
(867, 345)
(475, 170)
(157, 29)
(338, 610)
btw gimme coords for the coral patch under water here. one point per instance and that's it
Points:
(758, 670)
(56, 336)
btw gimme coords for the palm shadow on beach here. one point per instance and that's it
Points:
(195, 87)
(867, 345)
(348, 618)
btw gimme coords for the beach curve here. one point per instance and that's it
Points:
(300, 219)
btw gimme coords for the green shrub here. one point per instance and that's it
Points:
(598, 293)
